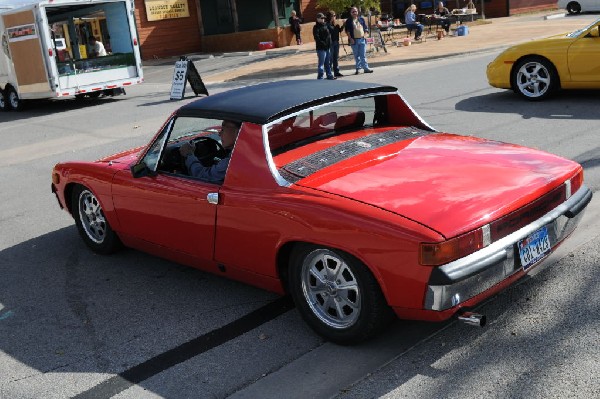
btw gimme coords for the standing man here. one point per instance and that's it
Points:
(334, 31)
(323, 44)
(356, 29)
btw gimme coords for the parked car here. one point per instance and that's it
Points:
(577, 6)
(538, 68)
(338, 194)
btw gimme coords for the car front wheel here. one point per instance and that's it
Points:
(337, 295)
(91, 222)
(573, 7)
(534, 78)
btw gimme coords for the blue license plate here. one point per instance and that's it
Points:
(534, 248)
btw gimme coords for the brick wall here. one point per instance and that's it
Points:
(248, 41)
(523, 6)
(164, 38)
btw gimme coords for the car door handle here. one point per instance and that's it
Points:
(212, 198)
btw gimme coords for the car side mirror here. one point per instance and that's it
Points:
(141, 170)
(595, 32)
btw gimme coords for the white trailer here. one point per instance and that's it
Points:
(47, 52)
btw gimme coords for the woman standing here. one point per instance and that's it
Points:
(334, 31)
(295, 22)
(356, 28)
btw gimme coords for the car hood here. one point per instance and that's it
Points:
(123, 159)
(449, 183)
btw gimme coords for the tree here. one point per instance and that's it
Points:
(342, 5)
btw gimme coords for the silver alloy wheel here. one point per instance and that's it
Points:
(92, 217)
(2, 100)
(331, 289)
(533, 79)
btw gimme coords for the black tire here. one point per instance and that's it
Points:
(3, 103)
(12, 99)
(94, 94)
(534, 78)
(573, 7)
(347, 306)
(91, 222)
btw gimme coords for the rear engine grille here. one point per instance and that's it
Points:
(304, 167)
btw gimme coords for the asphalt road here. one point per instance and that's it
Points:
(75, 324)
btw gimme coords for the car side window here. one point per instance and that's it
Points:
(164, 155)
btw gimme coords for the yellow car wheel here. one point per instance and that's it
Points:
(534, 78)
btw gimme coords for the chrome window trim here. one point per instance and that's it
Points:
(265, 128)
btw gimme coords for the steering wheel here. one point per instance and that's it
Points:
(207, 149)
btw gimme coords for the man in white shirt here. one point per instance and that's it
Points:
(98, 49)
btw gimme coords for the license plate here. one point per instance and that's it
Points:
(534, 247)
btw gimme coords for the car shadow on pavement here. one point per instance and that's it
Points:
(65, 309)
(566, 104)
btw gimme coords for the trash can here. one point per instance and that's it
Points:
(462, 30)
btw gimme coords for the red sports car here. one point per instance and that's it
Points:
(337, 193)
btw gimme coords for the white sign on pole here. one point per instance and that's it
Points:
(179, 80)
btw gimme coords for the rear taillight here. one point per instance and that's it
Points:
(575, 183)
(436, 254)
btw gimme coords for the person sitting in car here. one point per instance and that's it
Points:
(215, 173)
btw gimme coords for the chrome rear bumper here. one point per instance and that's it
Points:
(458, 281)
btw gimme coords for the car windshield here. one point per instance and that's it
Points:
(580, 31)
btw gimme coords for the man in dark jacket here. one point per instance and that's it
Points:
(323, 44)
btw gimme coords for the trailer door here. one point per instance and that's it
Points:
(26, 52)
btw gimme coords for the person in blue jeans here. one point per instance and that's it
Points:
(334, 31)
(410, 19)
(356, 29)
(323, 44)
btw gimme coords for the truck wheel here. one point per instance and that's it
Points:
(337, 295)
(13, 100)
(91, 222)
(3, 104)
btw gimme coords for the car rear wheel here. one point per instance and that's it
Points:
(573, 7)
(337, 295)
(534, 78)
(91, 222)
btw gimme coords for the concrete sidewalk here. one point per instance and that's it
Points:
(484, 35)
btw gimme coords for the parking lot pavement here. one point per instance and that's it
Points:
(488, 35)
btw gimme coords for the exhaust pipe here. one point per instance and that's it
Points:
(472, 319)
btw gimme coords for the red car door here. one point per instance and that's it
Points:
(167, 210)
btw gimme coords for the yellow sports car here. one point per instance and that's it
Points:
(538, 68)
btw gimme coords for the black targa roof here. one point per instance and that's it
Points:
(266, 102)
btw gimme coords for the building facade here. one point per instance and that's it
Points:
(177, 27)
